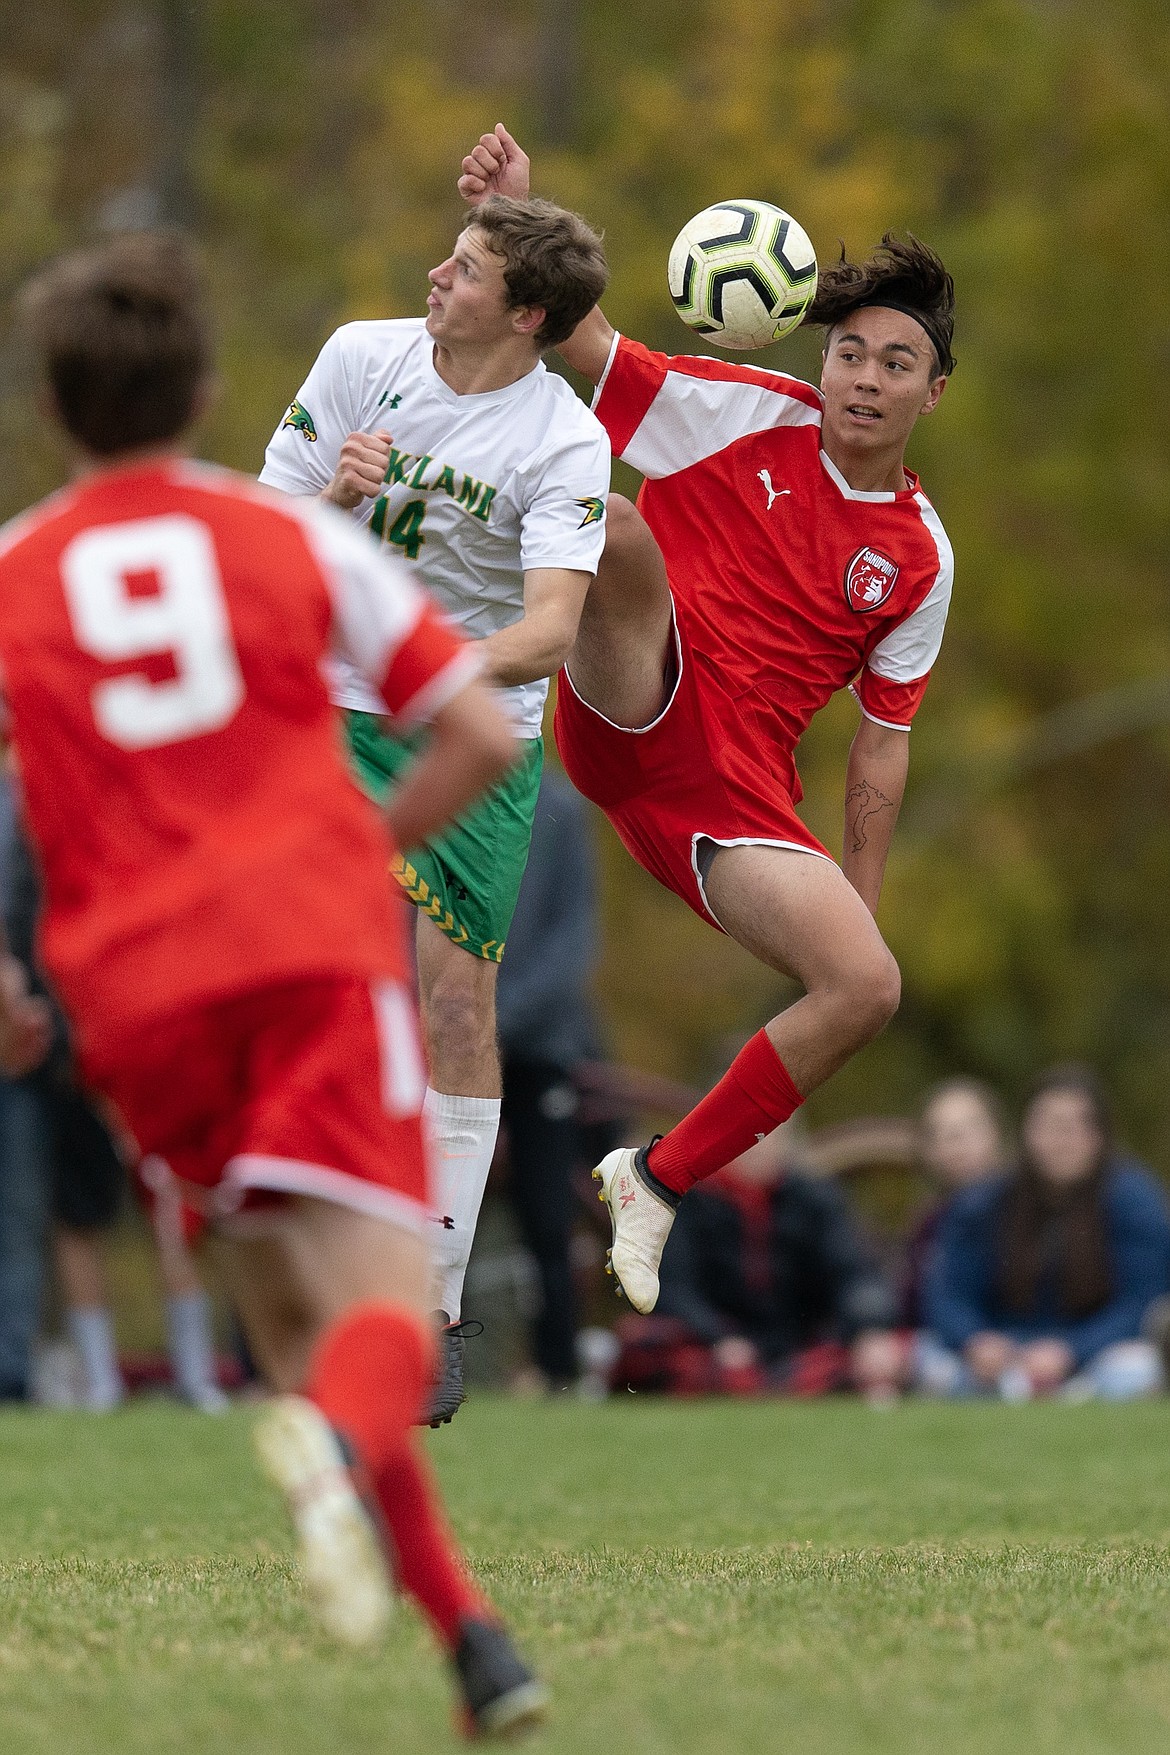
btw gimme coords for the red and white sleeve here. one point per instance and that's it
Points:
(893, 681)
(386, 625)
(664, 414)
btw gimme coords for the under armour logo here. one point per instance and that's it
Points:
(772, 493)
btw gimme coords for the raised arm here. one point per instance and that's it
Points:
(498, 165)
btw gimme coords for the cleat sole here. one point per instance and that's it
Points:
(340, 1561)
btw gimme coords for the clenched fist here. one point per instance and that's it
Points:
(361, 470)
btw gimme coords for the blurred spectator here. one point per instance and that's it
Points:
(24, 1144)
(58, 1160)
(767, 1287)
(546, 1026)
(1042, 1278)
(961, 1137)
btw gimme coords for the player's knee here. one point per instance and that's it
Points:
(877, 994)
(630, 552)
(459, 1018)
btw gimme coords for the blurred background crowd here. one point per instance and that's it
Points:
(312, 146)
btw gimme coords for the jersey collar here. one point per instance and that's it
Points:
(880, 499)
(481, 398)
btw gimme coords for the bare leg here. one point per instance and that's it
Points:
(622, 662)
(800, 915)
(292, 1272)
(457, 994)
(333, 1303)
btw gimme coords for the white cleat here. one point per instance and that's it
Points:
(341, 1559)
(641, 1224)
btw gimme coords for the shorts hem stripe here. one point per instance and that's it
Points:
(255, 1170)
(743, 841)
(639, 730)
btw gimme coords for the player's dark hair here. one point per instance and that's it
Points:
(1060, 1231)
(553, 259)
(122, 337)
(904, 275)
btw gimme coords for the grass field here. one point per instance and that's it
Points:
(693, 1579)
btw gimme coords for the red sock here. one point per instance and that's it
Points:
(368, 1375)
(754, 1096)
(427, 1560)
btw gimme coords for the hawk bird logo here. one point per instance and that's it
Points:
(594, 510)
(300, 420)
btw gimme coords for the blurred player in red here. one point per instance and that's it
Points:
(781, 551)
(217, 919)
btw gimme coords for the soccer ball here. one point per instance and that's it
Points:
(742, 272)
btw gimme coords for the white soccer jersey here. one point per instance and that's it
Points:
(479, 488)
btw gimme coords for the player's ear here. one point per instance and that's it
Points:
(932, 395)
(527, 319)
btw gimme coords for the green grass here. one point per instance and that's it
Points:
(692, 1578)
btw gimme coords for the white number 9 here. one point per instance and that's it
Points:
(185, 618)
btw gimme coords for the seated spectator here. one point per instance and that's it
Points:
(767, 1287)
(1042, 1278)
(961, 1142)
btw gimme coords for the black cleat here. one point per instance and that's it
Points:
(447, 1393)
(501, 1696)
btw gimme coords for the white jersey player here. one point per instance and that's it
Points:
(452, 442)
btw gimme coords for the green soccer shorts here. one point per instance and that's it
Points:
(466, 879)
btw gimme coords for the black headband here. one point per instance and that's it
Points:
(925, 321)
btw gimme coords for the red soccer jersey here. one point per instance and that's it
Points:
(789, 583)
(163, 631)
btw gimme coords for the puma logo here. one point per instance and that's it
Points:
(772, 493)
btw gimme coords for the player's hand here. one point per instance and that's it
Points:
(988, 1356)
(497, 166)
(361, 470)
(26, 1024)
(1047, 1365)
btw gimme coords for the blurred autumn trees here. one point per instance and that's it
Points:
(313, 144)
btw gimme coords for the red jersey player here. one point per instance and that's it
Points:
(781, 551)
(218, 921)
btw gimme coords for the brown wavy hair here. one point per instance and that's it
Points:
(552, 258)
(903, 272)
(1058, 1231)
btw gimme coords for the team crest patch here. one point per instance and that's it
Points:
(869, 579)
(300, 420)
(594, 510)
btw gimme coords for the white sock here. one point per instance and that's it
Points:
(463, 1136)
(193, 1352)
(91, 1329)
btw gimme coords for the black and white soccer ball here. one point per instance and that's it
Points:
(743, 273)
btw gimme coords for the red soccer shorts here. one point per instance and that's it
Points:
(310, 1088)
(677, 783)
